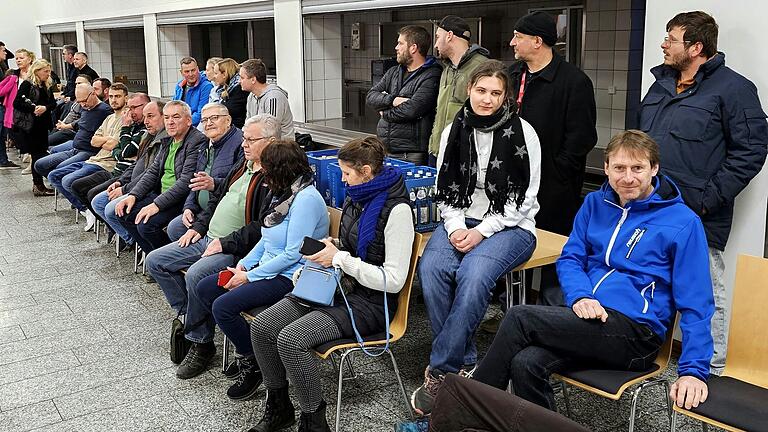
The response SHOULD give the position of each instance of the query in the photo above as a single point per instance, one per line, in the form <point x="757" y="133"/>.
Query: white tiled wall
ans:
<point x="98" y="46"/>
<point x="129" y="57"/>
<point x="174" y="45"/>
<point x="357" y="63"/>
<point x="606" y="61"/>
<point x="322" y="67"/>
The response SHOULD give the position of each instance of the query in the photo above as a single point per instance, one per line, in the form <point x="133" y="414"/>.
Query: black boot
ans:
<point x="248" y="381"/>
<point x="196" y="361"/>
<point x="278" y="413"/>
<point x="315" y="421"/>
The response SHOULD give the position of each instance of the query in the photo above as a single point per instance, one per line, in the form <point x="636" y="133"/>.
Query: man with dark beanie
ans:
<point x="558" y="100"/>
<point x="459" y="58"/>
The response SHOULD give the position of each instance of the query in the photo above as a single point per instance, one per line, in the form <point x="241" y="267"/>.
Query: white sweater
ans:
<point x="398" y="241"/>
<point x="454" y="218"/>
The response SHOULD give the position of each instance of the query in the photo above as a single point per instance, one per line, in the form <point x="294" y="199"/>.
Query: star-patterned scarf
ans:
<point x="508" y="172"/>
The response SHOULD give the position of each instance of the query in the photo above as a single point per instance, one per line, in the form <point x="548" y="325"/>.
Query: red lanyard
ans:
<point x="520" y="93"/>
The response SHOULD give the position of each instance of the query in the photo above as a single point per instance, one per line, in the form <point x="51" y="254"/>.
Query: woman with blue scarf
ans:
<point x="376" y="233"/>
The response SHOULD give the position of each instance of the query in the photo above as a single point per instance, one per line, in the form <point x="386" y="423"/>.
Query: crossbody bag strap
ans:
<point x="360" y="341"/>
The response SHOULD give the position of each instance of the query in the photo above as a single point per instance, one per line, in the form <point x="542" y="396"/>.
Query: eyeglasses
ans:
<point x="84" y="100"/>
<point x="667" y="40"/>
<point x="252" y="141"/>
<point x="213" y="118"/>
<point x="135" y="106"/>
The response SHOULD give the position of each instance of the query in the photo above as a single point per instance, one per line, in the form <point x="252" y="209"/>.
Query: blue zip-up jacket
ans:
<point x="196" y="96"/>
<point x="646" y="260"/>
<point x="227" y="151"/>
<point x="713" y="139"/>
<point x="277" y="253"/>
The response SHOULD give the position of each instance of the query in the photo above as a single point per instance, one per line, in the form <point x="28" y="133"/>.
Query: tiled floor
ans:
<point x="83" y="345"/>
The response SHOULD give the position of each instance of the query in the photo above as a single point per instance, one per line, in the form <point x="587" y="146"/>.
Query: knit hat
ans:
<point x="455" y="24"/>
<point x="540" y="24"/>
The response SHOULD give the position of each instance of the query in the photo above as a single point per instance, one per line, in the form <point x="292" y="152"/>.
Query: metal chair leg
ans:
<point x="341" y="383"/>
<point x="673" y="422"/>
<point x="402" y="388"/>
<point x="97" y="229"/>
<point x="77" y="216"/>
<point x="55" y="199"/>
<point x="143" y="263"/>
<point x="567" y="400"/>
<point x="135" y="257"/>
<point x="636" y="396"/>
<point x="225" y="355"/>
<point x="117" y="245"/>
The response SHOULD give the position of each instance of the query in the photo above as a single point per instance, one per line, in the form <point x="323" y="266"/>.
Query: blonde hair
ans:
<point x="38" y="65"/>
<point x="229" y="68"/>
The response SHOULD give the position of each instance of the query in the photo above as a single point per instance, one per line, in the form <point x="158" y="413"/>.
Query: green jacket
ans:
<point x="453" y="91"/>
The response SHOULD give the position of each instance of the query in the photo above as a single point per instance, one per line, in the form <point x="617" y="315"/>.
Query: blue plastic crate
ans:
<point x="319" y="161"/>
<point x="336" y="187"/>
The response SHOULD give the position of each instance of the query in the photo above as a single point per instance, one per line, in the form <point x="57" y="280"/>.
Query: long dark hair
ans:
<point x="283" y="161"/>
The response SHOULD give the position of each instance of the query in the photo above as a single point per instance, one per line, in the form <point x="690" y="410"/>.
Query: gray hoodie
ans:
<point x="273" y="101"/>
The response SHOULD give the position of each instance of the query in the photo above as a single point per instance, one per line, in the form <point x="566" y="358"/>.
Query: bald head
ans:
<point x="86" y="96"/>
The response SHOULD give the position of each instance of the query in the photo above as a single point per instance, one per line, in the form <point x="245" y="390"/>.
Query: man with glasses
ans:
<point x="558" y="100"/>
<point x="712" y="132"/>
<point x="213" y="164"/>
<point x="159" y="195"/>
<point x="130" y="131"/>
<point x="223" y="232"/>
<point x="92" y="116"/>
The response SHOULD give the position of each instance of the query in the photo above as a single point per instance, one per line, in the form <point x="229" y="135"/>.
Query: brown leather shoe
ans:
<point x="40" y="191"/>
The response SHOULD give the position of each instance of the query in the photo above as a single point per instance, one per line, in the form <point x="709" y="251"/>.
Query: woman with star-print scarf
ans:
<point x="489" y="169"/>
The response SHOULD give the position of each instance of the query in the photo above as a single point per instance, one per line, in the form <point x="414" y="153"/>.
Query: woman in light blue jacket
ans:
<point x="262" y="277"/>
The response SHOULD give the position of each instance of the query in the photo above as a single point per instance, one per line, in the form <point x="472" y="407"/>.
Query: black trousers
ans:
<point x="150" y="235"/>
<point x="467" y="405"/>
<point x="84" y="186"/>
<point x="535" y="341"/>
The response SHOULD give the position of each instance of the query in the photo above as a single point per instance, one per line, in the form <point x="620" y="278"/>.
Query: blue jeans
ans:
<point x="457" y="288"/>
<point x="58" y="148"/>
<point x="165" y="265"/>
<point x="176" y="229"/>
<point x="45" y="165"/>
<point x="208" y="302"/>
<point x="106" y="210"/>
<point x="62" y="178"/>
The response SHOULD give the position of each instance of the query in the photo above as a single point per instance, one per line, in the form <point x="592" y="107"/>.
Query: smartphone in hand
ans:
<point x="224" y="277"/>
<point x="311" y="246"/>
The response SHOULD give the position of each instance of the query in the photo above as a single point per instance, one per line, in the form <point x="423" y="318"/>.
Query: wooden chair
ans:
<point x="612" y="384"/>
<point x="345" y="347"/>
<point x="738" y="399"/>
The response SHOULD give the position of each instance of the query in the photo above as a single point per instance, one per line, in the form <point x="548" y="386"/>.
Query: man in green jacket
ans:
<point x="460" y="59"/>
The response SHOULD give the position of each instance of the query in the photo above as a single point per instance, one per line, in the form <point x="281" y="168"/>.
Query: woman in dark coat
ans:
<point x="233" y="96"/>
<point x="35" y="98"/>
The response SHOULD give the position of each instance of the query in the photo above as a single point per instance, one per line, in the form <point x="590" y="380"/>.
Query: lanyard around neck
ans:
<point x="521" y="92"/>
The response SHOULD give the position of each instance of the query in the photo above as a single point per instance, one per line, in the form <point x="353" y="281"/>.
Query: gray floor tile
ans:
<point x="29" y="417"/>
<point x="11" y="334"/>
<point x="22" y="315"/>
<point x="35" y="347"/>
<point x="25" y="369"/>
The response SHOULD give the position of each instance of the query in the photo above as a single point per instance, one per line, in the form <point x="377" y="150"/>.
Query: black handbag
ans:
<point x="179" y="344"/>
<point x="23" y="121"/>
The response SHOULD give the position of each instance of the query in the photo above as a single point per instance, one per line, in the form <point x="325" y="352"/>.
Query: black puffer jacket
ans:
<point x="406" y="128"/>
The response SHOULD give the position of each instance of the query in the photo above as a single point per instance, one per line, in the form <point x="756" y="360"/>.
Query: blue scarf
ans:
<point x="371" y="196"/>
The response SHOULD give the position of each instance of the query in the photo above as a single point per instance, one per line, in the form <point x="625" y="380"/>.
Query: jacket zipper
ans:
<point x="601" y="280"/>
<point x="637" y="240"/>
<point x="652" y="286"/>
<point x="624" y="214"/>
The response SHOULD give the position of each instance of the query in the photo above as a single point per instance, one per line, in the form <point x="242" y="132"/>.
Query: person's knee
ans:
<point x="263" y="329"/>
<point x="528" y="363"/>
<point x="222" y="309"/>
<point x="288" y="345"/>
<point x="155" y="261"/>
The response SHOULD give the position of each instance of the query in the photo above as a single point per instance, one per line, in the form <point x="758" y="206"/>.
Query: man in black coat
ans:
<point x="558" y="100"/>
<point x="406" y="97"/>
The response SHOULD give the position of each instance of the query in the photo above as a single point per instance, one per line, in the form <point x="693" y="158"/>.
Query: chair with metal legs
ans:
<point x="611" y="384"/>
<point x="738" y="399"/>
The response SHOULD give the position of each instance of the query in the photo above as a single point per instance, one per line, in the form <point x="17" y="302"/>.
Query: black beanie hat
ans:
<point x="540" y="24"/>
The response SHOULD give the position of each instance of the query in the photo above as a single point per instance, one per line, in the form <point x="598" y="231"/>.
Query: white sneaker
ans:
<point x="27" y="170"/>
<point x="90" y="220"/>
<point x="26" y="158"/>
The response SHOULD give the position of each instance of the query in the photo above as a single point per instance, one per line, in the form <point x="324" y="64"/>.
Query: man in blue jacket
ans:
<point x="712" y="133"/>
<point x="193" y="89"/>
<point x="636" y="256"/>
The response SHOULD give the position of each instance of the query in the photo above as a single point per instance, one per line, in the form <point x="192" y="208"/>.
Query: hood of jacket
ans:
<point x="272" y="88"/>
<point x="472" y="51"/>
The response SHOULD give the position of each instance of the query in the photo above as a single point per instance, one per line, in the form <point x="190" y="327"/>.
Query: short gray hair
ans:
<point x="184" y="107"/>
<point x="218" y="105"/>
<point x="270" y="126"/>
